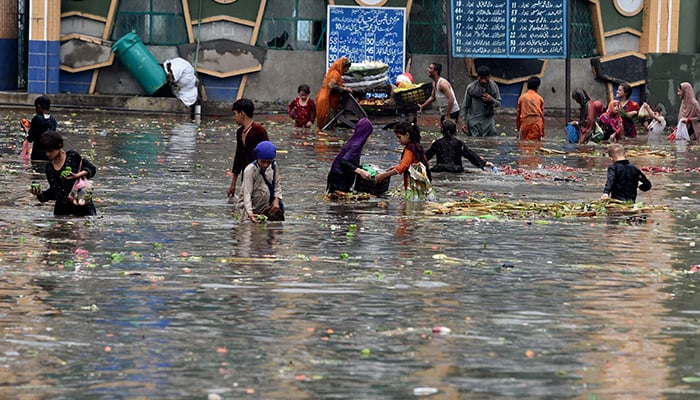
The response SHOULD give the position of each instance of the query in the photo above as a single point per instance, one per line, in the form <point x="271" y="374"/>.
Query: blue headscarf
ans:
<point x="352" y="149"/>
<point x="265" y="150"/>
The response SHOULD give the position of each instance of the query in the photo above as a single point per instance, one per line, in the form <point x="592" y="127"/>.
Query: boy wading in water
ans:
<point x="623" y="177"/>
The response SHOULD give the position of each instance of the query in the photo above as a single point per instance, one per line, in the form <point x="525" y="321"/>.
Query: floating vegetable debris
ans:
<point x="482" y="207"/>
<point x="647" y="153"/>
<point x="629" y="152"/>
<point x="346" y="196"/>
<point x="529" y="175"/>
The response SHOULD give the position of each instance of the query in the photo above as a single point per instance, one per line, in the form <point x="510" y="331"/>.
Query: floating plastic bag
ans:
<point x="26" y="152"/>
<point x="644" y="112"/>
<point x="81" y="194"/>
<point x="682" y="132"/>
<point x="598" y="133"/>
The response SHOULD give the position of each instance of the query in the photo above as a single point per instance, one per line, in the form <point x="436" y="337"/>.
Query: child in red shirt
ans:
<point x="302" y="109"/>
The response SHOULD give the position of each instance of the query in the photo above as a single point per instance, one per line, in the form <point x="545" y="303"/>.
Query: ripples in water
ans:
<point x="165" y="295"/>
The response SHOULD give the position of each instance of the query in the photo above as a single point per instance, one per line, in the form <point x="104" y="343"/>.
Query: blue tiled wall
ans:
<point x="75" y="83"/>
<point x="221" y="89"/>
<point x="44" y="64"/>
<point x="8" y="64"/>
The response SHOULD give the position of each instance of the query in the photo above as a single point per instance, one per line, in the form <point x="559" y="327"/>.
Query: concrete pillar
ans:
<point x="44" y="46"/>
<point x="660" y="26"/>
<point x="8" y="45"/>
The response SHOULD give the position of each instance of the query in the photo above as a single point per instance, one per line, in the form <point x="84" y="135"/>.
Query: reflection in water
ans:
<point x="165" y="295"/>
<point x="256" y="240"/>
<point x="625" y="348"/>
<point x="529" y="157"/>
<point x="181" y="147"/>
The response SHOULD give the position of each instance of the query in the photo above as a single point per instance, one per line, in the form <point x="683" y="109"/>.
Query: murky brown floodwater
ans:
<point x="164" y="295"/>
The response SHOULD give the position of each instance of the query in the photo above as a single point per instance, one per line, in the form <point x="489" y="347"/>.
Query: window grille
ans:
<point x="157" y="22"/>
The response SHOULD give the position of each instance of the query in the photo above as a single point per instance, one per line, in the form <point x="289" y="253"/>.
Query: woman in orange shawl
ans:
<point x="328" y="96"/>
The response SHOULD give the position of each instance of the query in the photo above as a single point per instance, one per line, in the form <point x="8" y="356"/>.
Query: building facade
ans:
<point x="264" y="49"/>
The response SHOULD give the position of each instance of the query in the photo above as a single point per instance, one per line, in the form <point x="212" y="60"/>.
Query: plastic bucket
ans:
<point x="131" y="51"/>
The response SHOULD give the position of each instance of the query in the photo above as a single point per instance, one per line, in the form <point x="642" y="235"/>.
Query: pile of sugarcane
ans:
<point x="486" y="206"/>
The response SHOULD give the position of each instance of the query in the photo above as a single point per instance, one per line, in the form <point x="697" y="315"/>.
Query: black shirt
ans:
<point x="60" y="188"/>
<point x="40" y="124"/>
<point x="449" y="151"/>
<point x="623" y="178"/>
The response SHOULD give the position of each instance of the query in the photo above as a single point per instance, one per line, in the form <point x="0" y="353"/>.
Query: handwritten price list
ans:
<point x="367" y="34"/>
<point x="509" y="28"/>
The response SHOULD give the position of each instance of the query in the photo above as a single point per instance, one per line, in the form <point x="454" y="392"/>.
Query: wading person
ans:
<point x="261" y="192"/>
<point x="442" y="93"/>
<point x="248" y="135"/>
<point x="41" y="122"/>
<point x="611" y="123"/>
<point x="413" y="165"/>
<point x="478" y="107"/>
<point x="182" y="79"/>
<point x="302" y="110"/>
<point x="588" y="115"/>
<point x="61" y="172"/>
<point x="346" y="165"/>
<point x="449" y="151"/>
<point x="623" y="177"/>
<point x="628" y="110"/>
<point x="689" y="112"/>
<point x="328" y="97"/>
<point x="529" y="117"/>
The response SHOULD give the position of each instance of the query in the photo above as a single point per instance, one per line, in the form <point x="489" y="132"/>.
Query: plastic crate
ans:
<point x="413" y="96"/>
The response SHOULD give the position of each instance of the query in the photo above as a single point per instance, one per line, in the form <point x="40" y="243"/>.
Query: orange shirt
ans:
<point x="530" y="108"/>
<point x="530" y="116"/>
<point x="407" y="159"/>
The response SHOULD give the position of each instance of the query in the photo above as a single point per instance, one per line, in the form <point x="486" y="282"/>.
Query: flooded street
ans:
<point x="164" y="295"/>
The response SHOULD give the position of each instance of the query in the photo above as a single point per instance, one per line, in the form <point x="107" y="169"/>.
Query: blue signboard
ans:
<point x="367" y="34"/>
<point x="509" y="28"/>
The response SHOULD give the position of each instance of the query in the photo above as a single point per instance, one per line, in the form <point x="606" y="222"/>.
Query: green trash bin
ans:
<point x="131" y="51"/>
